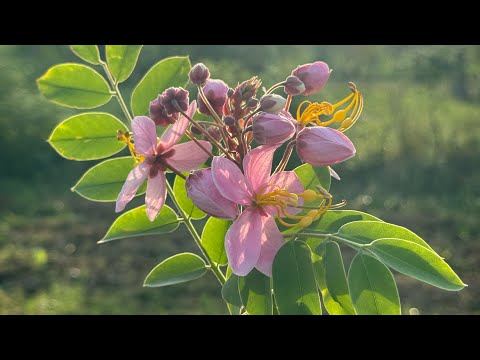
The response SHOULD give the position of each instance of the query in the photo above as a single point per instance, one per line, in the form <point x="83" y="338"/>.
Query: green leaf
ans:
<point x="331" y="279"/>
<point x="121" y="60"/>
<point x="89" y="53"/>
<point x="213" y="239"/>
<point x="172" y="71"/>
<point x="256" y="293"/>
<point x="312" y="176"/>
<point x="136" y="223"/>
<point x="231" y="295"/>
<point x="294" y="281"/>
<point x="372" y="287"/>
<point x="184" y="201"/>
<point x="331" y="222"/>
<point x="104" y="181"/>
<point x="416" y="261"/>
<point x="74" y="85"/>
<point x="88" y="136"/>
<point x="176" y="269"/>
<point x="364" y="232"/>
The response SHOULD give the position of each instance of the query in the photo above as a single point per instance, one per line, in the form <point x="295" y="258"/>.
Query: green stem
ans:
<point x="116" y="90"/>
<point x="196" y="237"/>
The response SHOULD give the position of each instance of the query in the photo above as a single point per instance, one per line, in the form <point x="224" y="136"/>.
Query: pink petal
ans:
<point x="202" y="191"/>
<point x="242" y="241"/>
<point x="135" y="179"/>
<point x="156" y="193"/>
<point x="144" y="135"/>
<point x="189" y="156"/>
<point x="230" y="181"/>
<point x="257" y="165"/>
<point x="175" y="132"/>
<point x="290" y="181"/>
<point x="272" y="240"/>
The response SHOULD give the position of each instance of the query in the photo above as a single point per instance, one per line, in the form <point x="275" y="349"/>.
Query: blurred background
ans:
<point x="417" y="165"/>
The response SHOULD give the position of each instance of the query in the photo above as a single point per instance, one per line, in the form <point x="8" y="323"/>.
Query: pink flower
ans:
<point x="216" y="93"/>
<point x="254" y="239"/>
<point x="314" y="76"/>
<point x="273" y="128"/>
<point x="159" y="155"/>
<point x="203" y="192"/>
<point x="322" y="146"/>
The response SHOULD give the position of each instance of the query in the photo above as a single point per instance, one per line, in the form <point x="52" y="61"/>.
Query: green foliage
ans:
<point x="213" y="239"/>
<point x="364" y="232"/>
<point x="184" y="201"/>
<point x="104" y="181"/>
<point x="88" y="53"/>
<point x="256" y="293"/>
<point x="331" y="279"/>
<point x="176" y="269"/>
<point x="88" y="136"/>
<point x="74" y="85"/>
<point x="311" y="176"/>
<point x="136" y="223"/>
<point x="231" y="294"/>
<point x="121" y="60"/>
<point x="372" y="287"/>
<point x="293" y="279"/>
<point x="168" y="72"/>
<point x="416" y="261"/>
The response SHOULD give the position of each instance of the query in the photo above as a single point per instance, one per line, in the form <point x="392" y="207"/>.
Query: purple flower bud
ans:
<point x="199" y="74"/>
<point x="294" y="86"/>
<point x="322" y="146"/>
<point x="216" y="93"/>
<point x="252" y="103"/>
<point x="172" y="94"/>
<point x="272" y="103"/>
<point x="314" y="76"/>
<point x="159" y="115"/>
<point x="202" y="191"/>
<point x="229" y="120"/>
<point x="272" y="128"/>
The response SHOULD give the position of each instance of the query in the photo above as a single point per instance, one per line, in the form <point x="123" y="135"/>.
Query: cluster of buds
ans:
<point x="239" y="185"/>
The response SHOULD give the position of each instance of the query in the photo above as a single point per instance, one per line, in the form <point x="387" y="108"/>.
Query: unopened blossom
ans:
<point x="174" y="98"/>
<point x="216" y="93"/>
<point x="314" y="76"/>
<point x="199" y="74"/>
<point x="294" y="86"/>
<point x="323" y="146"/>
<point x="273" y="128"/>
<point x="159" y="115"/>
<point x="272" y="103"/>
<point x="155" y="157"/>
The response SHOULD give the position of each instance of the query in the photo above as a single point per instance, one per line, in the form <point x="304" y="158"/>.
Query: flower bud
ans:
<point x="172" y="95"/>
<point x="199" y="74"/>
<point x="322" y="146"/>
<point x="294" y="86"/>
<point x="216" y="93"/>
<point x="202" y="191"/>
<point x="159" y="115"/>
<point x="272" y="128"/>
<point x="229" y="120"/>
<point x="252" y="103"/>
<point x="272" y="103"/>
<point x="314" y="76"/>
<point x="249" y="87"/>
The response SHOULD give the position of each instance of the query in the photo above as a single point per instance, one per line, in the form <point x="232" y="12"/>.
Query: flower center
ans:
<point x="311" y="114"/>
<point x="281" y="199"/>
<point x="127" y="139"/>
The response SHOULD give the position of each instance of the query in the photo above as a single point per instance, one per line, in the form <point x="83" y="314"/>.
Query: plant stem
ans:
<point x="286" y="156"/>
<point x="116" y="90"/>
<point x="188" y="223"/>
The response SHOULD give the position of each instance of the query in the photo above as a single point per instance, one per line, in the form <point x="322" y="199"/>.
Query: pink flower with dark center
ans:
<point x="158" y="157"/>
<point x="254" y="239"/>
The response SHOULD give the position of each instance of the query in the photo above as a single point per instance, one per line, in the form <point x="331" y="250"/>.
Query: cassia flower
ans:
<point x="254" y="239"/>
<point x="154" y="157"/>
<point x="273" y="129"/>
<point x="314" y="76"/>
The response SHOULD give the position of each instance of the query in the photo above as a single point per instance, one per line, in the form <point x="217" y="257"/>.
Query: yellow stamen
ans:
<point x="127" y="139"/>
<point x="311" y="114"/>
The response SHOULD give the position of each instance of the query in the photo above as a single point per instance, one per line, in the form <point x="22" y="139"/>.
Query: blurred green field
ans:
<point x="417" y="165"/>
